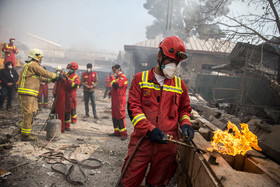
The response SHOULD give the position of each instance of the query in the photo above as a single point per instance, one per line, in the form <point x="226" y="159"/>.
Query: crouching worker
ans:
<point x="29" y="89"/>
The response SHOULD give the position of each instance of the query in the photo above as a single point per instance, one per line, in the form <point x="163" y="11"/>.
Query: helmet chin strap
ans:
<point x="161" y="61"/>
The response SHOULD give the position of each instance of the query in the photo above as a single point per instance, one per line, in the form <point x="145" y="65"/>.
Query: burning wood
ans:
<point x="234" y="141"/>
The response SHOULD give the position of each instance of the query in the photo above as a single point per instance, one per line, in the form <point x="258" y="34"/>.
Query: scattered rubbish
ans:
<point x="95" y="128"/>
<point x="4" y="173"/>
<point x="95" y="172"/>
<point x="212" y="160"/>
<point x="50" y="173"/>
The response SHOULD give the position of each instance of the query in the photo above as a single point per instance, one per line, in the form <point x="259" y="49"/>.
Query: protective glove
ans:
<point x="157" y="136"/>
<point x="115" y="85"/>
<point x="188" y="132"/>
<point x="59" y="76"/>
<point x="76" y="85"/>
<point x="64" y="76"/>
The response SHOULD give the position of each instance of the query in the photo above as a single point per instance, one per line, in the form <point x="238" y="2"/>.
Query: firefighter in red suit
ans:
<point x="10" y="50"/>
<point x="58" y="106"/>
<point x="71" y="84"/>
<point x="158" y="104"/>
<point x="108" y="87"/>
<point x="118" y="100"/>
<point x="89" y="82"/>
<point x="43" y="93"/>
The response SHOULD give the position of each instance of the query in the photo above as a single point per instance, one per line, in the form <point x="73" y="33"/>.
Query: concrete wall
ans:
<point x="195" y="64"/>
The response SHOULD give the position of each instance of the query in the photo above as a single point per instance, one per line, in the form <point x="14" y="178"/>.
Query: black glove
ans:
<point x="75" y="86"/>
<point x="188" y="132"/>
<point x="59" y="77"/>
<point x="64" y="76"/>
<point x="115" y="85"/>
<point x="157" y="136"/>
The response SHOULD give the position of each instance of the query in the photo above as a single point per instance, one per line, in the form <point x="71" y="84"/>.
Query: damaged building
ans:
<point x="252" y="87"/>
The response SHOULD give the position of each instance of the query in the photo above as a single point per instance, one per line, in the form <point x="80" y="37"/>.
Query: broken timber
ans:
<point x="194" y="170"/>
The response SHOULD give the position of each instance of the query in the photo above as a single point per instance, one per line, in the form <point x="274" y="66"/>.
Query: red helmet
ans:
<point x="73" y="65"/>
<point x="11" y="39"/>
<point x="174" y="48"/>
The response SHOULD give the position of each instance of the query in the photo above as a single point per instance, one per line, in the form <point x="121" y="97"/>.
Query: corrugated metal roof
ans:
<point x="238" y="55"/>
<point x="195" y="44"/>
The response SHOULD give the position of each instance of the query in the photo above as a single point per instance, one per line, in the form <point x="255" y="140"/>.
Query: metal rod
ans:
<point x="186" y="145"/>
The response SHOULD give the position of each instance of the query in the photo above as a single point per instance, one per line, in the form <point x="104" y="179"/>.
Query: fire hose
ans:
<point x="129" y="160"/>
<point x="67" y="172"/>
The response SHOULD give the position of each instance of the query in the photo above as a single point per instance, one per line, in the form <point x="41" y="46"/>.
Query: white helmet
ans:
<point x="58" y="68"/>
<point x="35" y="54"/>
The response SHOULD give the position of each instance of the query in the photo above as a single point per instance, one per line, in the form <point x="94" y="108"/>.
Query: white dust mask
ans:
<point x="10" y="66"/>
<point x="88" y="70"/>
<point x="169" y="70"/>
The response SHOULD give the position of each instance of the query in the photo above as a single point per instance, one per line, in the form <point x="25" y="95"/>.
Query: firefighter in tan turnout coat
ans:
<point x="28" y="90"/>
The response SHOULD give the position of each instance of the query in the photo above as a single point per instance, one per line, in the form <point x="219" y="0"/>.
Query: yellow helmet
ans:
<point x="35" y="54"/>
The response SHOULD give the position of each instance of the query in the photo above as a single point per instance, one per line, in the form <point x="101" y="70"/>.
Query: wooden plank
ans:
<point x="229" y="176"/>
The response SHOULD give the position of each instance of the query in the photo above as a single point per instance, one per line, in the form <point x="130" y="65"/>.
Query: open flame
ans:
<point x="233" y="142"/>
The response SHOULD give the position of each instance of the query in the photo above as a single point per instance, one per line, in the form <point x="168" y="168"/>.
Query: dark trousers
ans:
<point x="91" y="96"/>
<point x="106" y="91"/>
<point x="7" y="91"/>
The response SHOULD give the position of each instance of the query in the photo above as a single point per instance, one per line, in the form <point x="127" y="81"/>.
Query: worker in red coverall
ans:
<point x="10" y="50"/>
<point x="118" y="94"/>
<point x="58" y="106"/>
<point x="72" y="82"/>
<point x="158" y="104"/>
<point x="89" y="82"/>
<point x="108" y="87"/>
<point x="43" y="93"/>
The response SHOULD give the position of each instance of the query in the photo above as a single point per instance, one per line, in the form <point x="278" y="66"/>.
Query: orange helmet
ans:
<point x="174" y="48"/>
<point x="73" y="65"/>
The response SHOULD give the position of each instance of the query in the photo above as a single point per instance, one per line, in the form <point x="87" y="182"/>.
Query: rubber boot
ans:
<point x="28" y="137"/>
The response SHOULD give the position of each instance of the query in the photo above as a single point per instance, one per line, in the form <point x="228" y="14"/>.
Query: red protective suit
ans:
<point x="10" y="51"/>
<point x="71" y="85"/>
<point x="43" y="90"/>
<point x="59" y="103"/>
<point x="108" y="81"/>
<point x="118" y="100"/>
<point x="151" y="106"/>
<point x="89" y="79"/>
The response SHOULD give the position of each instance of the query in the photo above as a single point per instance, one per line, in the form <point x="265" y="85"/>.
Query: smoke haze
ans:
<point x="105" y="24"/>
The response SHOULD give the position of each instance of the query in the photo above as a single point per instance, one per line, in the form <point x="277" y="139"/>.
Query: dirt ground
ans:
<point x="87" y="139"/>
